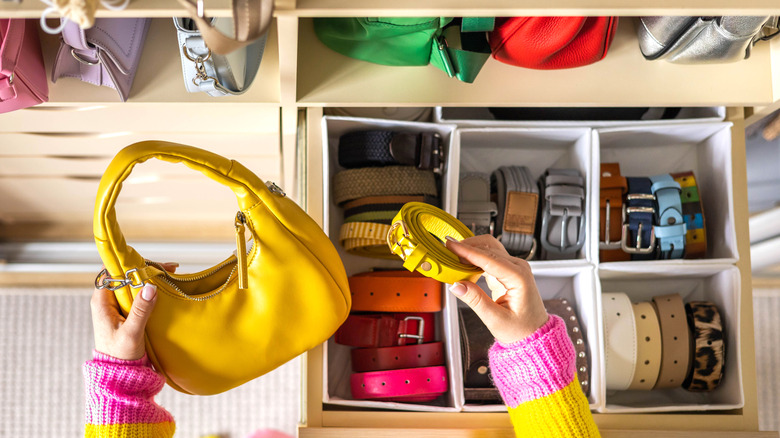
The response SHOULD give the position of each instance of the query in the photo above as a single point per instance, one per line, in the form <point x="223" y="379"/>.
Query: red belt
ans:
<point x="407" y="385"/>
<point x="393" y="358"/>
<point x="386" y="330"/>
<point x="394" y="291"/>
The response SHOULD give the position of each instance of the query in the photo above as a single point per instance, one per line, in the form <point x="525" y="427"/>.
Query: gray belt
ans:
<point x="518" y="200"/>
<point x="475" y="209"/>
<point x="563" y="213"/>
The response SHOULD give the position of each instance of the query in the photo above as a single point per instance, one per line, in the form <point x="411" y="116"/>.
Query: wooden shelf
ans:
<point x="159" y="78"/>
<point x="513" y="8"/>
<point x="136" y="8"/>
<point x="623" y="78"/>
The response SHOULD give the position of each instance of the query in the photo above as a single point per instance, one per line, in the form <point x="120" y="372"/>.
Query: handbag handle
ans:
<point x="13" y="36"/>
<point x="251" y="19"/>
<point x="114" y="251"/>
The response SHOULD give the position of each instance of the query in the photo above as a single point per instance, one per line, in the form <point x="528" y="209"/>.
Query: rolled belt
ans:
<point x="394" y="291"/>
<point x="517" y="197"/>
<point x="475" y="209"/>
<point x="709" y="348"/>
<point x="386" y="329"/>
<point x="693" y="215"/>
<point x="367" y="239"/>
<point x="418" y="235"/>
<point x="405" y="385"/>
<point x="563" y="213"/>
<point x="648" y="340"/>
<point x="670" y="228"/>
<point x="675" y="345"/>
<point x="613" y="189"/>
<point x="385" y="148"/>
<point x="638" y="236"/>
<point x="620" y="340"/>
<point x="382" y="181"/>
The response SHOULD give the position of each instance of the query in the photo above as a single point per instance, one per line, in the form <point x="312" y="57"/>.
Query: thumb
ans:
<point x="135" y="323"/>
<point x="486" y="309"/>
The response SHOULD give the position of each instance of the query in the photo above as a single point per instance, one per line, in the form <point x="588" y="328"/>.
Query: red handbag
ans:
<point x="548" y="43"/>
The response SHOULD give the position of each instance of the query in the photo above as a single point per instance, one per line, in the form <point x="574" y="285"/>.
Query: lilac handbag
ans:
<point x="106" y="54"/>
<point x="22" y="74"/>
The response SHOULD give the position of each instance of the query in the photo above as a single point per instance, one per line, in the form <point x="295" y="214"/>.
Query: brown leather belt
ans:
<point x="393" y="358"/>
<point x="613" y="189"/>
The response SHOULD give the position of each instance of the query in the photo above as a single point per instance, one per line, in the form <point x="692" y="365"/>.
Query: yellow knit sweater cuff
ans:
<point x="562" y="414"/>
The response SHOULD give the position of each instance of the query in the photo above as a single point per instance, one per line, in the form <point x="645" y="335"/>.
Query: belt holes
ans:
<point x="420" y="355"/>
<point x="642" y="381"/>
<point x="383" y="383"/>
<point x="429" y="380"/>
<point x="672" y="315"/>
<point x="675" y="338"/>
<point x="709" y="342"/>
<point x="363" y="385"/>
<point x="644" y="317"/>
<point x="373" y="359"/>
<point x="647" y="338"/>
<point x="398" y="294"/>
<point x="613" y="298"/>
<point x="618" y="314"/>
<point x="668" y="299"/>
<point x="675" y="362"/>
<point x="406" y="381"/>
<point x="371" y="293"/>
<point x="647" y="362"/>
<point x="425" y="294"/>
<point x="396" y="358"/>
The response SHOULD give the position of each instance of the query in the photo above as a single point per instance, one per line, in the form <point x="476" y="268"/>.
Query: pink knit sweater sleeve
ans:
<point x="120" y="399"/>
<point x="537" y="378"/>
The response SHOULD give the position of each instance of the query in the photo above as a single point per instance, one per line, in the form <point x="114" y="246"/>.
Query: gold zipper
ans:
<point x="243" y="278"/>
<point x="239" y="260"/>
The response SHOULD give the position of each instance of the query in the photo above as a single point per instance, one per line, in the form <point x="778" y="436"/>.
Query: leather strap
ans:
<point x="669" y="225"/>
<point x="207" y="71"/>
<point x="563" y="213"/>
<point x="384" y="148"/>
<point x="709" y="348"/>
<point x="406" y="385"/>
<point x="613" y="189"/>
<point x="675" y="341"/>
<point x="638" y="237"/>
<point x="393" y="358"/>
<point x="251" y="20"/>
<point x="648" y="335"/>
<point x="565" y="310"/>
<point x="693" y="215"/>
<point x="417" y="236"/>
<point x="382" y="181"/>
<point x="620" y="344"/>
<point x="394" y="291"/>
<point x="10" y="47"/>
<point x="367" y="239"/>
<point x="517" y="197"/>
<point x="475" y="209"/>
<point x="476" y="340"/>
<point x="386" y="329"/>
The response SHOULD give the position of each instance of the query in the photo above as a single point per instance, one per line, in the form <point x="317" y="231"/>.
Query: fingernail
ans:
<point x="452" y="239"/>
<point x="458" y="289"/>
<point x="173" y="264"/>
<point x="148" y="292"/>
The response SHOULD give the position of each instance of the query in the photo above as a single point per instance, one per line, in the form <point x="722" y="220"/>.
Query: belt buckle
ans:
<point x="392" y="243"/>
<point x="420" y="330"/>
<point x="638" y="249"/>
<point x="606" y="244"/>
<point x="563" y="248"/>
<point x="423" y="150"/>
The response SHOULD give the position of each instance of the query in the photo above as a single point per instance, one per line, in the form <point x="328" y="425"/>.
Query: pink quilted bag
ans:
<point x="22" y="74"/>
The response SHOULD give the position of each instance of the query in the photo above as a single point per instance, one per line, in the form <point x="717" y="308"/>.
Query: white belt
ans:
<point x="620" y="335"/>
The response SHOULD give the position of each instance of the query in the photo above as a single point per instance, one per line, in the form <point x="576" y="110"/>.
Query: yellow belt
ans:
<point x="417" y="236"/>
<point x="365" y="239"/>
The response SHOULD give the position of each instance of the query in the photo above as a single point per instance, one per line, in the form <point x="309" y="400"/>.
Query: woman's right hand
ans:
<point x="516" y="310"/>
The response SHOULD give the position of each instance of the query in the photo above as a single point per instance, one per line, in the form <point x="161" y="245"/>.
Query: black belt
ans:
<point x="386" y="148"/>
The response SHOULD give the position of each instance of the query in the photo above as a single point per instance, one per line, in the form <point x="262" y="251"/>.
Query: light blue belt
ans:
<point x="670" y="227"/>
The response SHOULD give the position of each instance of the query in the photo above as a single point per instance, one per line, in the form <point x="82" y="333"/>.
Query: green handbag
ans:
<point x="456" y="46"/>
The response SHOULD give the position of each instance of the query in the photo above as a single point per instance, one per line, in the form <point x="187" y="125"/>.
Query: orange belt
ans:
<point x="613" y="189"/>
<point x="394" y="291"/>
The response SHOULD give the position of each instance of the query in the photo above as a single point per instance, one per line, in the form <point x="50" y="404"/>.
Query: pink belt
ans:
<point x="405" y="385"/>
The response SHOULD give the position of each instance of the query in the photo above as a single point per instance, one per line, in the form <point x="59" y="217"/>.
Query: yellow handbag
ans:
<point x="219" y="328"/>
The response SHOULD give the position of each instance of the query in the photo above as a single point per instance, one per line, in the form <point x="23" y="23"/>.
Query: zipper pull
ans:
<point x="243" y="278"/>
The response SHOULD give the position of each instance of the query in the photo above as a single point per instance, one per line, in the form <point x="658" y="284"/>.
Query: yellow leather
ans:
<point x="297" y="296"/>
<point x="411" y="237"/>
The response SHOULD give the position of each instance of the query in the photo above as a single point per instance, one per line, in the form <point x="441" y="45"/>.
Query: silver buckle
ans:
<point x="563" y="248"/>
<point x="420" y="330"/>
<point x="608" y="244"/>
<point x="201" y="75"/>
<point x="638" y="249"/>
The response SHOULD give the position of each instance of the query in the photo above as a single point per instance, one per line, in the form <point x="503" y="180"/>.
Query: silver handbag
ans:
<point x="701" y="40"/>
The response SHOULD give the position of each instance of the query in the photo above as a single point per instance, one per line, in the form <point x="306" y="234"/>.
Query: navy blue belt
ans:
<point x="638" y="212"/>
